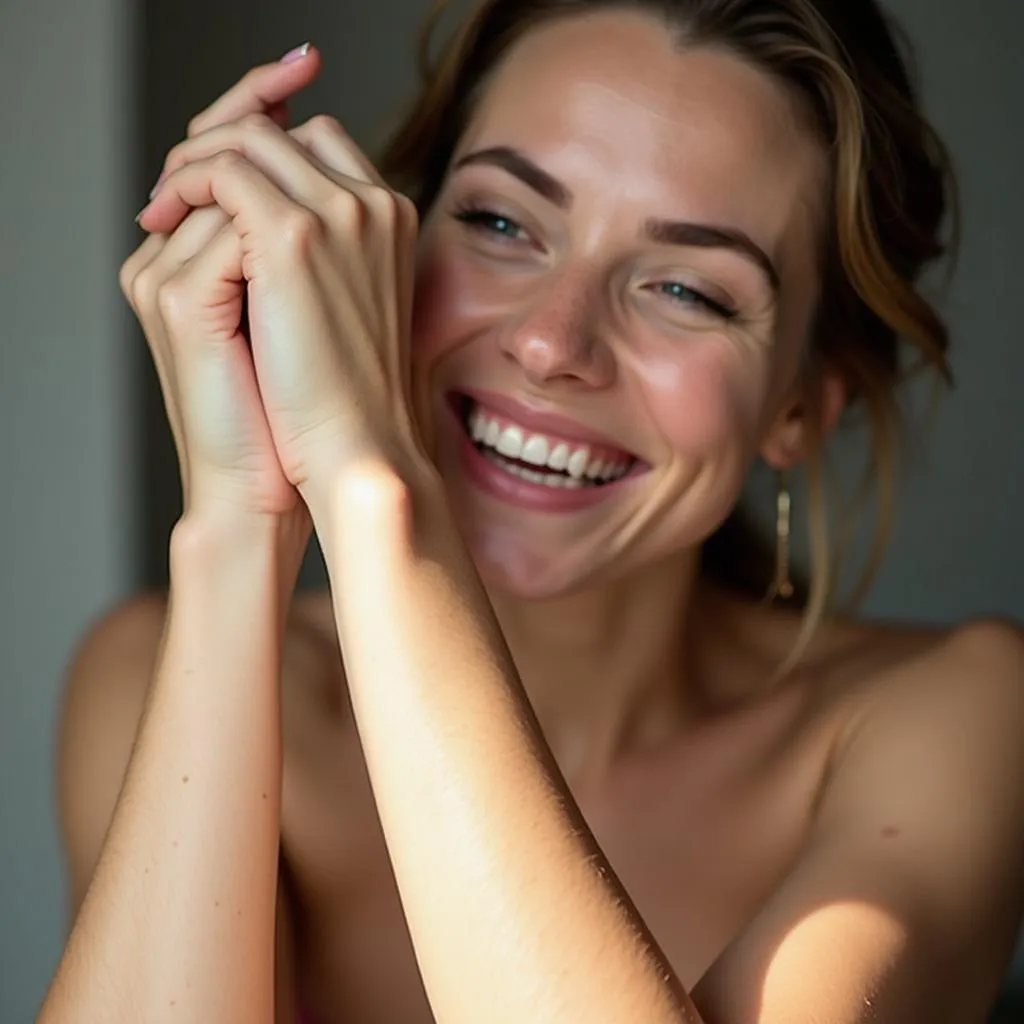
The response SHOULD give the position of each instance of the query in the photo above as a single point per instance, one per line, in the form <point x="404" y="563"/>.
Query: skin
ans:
<point x="565" y="319"/>
<point x="857" y="780"/>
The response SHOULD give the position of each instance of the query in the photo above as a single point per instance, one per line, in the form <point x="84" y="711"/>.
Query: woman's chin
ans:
<point x="525" y="572"/>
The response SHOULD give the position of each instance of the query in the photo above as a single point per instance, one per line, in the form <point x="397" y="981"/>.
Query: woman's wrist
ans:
<point x="370" y="494"/>
<point x="217" y="549"/>
<point x="228" y="538"/>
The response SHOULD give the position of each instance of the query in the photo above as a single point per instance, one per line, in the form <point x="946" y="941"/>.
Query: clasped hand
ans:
<point x="316" y="382"/>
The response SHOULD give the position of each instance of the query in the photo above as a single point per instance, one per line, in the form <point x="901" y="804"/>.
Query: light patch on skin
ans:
<point x="567" y="317"/>
<point x="828" y="942"/>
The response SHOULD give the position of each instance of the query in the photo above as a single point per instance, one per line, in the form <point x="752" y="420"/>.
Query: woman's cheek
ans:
<point x="455" y="298"/>
<point x="702" y="401"/>
<point x="435" y="299"/>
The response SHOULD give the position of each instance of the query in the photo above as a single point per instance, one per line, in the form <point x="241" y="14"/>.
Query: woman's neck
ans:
<point x="609" y="670"/>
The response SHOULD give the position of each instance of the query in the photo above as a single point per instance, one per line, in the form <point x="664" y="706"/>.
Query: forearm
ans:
<point x="514" y="912"/>
<point x="178" y="922"/>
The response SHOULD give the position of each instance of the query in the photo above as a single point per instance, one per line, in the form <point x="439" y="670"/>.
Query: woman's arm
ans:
<point x="514" y="912"/>
<point x="178" y="923"/>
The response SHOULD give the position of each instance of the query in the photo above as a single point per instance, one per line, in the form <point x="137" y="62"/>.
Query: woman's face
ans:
<point x="615" y="285"/>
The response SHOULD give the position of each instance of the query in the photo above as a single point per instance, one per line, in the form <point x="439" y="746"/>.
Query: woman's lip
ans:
<point x="543" y="422"/>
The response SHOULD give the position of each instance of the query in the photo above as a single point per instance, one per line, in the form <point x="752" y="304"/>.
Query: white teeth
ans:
<point x="535" y="451"/>
<point x="544" y="479"/>
<point x="559" y="457"/>
<point x="477" y="425"/>
<point x="578" y="462"/>
<point x="510" y="443"/>
<point x="540" y="451"/>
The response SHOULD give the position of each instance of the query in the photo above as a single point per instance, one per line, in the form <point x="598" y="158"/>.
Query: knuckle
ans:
<point x="173" y="158"/>
<point x="227" y="161"/>
<point x="144" y="287"/>
<point x="386" y="206"/>
<point x="383" y="199"/>
<point x="301" y="134"/>
<point x="140" y="258"/>
<point x="410" y="214"/>
<point x="196" y="125"/>
<point x="256" y="121"/>
<point x="299" y="228"/>
<point x="125" y="279"/>
<point x="324" y="124"/>
<point x="171" y="300"/>
<point x="347" y="208"/>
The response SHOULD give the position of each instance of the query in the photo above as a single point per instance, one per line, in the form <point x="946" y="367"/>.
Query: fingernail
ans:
<point x="297" y="54"/>
<point x="159" y="182"/>
<point x="138" y="216"/>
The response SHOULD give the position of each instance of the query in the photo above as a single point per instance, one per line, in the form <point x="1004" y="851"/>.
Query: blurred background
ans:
<point x="93" y="94"/>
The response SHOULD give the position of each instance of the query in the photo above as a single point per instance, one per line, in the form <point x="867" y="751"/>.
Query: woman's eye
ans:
<point x="686" y="296"/>
<point x="491" y="223"/>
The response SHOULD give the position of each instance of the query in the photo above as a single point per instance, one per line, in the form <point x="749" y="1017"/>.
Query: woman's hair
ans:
<point x="891" y="185"/>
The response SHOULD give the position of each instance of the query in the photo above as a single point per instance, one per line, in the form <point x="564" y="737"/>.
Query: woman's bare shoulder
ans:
<point x="853" y="665"/>
<point x="971" y="674"/>
<point x="871" y="660"/>
<point x="104" y="695"/>
<point x="922" y="686"/>
<point x="130" y="633"/>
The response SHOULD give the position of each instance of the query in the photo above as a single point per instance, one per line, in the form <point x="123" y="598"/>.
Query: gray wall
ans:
<point x="84" y="511"/>
<point x="68" y="510"/>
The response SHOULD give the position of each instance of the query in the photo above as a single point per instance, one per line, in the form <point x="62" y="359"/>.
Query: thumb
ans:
<point x="265" y="89"/>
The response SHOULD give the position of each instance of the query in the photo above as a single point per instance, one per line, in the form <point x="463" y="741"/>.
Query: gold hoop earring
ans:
<point x="782" y="585"/>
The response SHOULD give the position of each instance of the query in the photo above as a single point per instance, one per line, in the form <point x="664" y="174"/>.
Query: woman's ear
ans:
<point x="788" y="441"/>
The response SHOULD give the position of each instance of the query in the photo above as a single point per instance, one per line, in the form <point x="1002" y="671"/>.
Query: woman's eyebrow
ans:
<point x="667" y="232"/>
<point x="712" y="236"/>
<point x="523" y="168"/>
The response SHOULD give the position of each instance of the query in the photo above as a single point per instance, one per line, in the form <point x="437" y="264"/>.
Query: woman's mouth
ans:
<point x="535" y="468"/>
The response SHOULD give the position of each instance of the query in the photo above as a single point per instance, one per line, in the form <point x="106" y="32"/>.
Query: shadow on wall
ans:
<point x="1009" y="1009"/>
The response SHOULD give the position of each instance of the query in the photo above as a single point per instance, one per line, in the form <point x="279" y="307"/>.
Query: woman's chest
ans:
<point x="699" y="838"/>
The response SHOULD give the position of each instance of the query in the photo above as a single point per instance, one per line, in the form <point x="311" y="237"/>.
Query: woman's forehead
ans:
<point x="611" y="101"/>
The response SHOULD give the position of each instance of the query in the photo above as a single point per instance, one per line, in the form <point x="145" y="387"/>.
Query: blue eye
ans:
<point x="493" y="223"/>
<point x="686" y="296"/>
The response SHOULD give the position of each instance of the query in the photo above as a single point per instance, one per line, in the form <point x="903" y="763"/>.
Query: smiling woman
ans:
<point x="875" y="215"/>
<point x="568" y="766"/>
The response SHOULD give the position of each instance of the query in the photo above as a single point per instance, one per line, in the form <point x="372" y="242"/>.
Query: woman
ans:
<point x="569" y="775"/>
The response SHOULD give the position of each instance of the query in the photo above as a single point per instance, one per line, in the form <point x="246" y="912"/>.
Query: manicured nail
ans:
<point x="297" y="54"/>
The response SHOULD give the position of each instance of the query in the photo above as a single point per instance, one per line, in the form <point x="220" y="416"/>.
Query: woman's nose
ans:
<point x="557" y="338"/>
